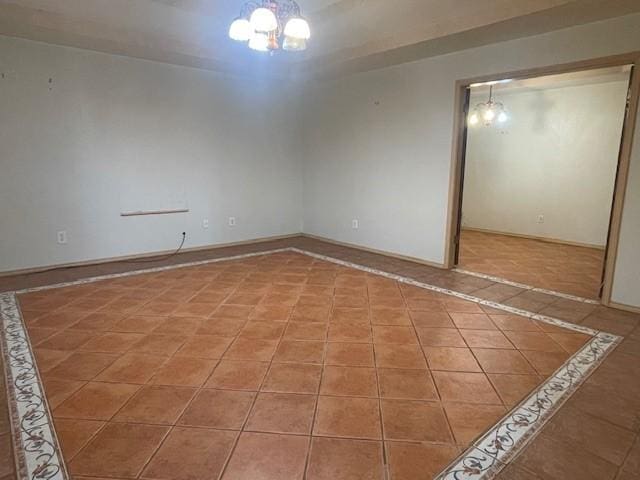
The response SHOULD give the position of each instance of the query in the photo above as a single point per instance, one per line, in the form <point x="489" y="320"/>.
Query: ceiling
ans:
<point x="347" y="35"/>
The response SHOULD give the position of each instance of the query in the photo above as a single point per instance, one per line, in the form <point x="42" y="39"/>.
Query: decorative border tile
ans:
<point x="36" y="445"/>
<point x="524" y="286"/>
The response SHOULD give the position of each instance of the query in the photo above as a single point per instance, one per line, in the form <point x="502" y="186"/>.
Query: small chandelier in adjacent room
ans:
<point x="488" y="113"/>
<point x="268" y="25"/>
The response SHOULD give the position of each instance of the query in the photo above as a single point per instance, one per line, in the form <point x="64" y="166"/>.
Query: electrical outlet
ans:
<point x="232" y="221"/>
<point x="205" y="223"/>
<point x="62" y="237"/>
<point x="355" y="224"/>
<point x="540" y="219"/>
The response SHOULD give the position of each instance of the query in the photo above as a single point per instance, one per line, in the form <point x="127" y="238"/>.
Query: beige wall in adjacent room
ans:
<point x="555" y="157"/>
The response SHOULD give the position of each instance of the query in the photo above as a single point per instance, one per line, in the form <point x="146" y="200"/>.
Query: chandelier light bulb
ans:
<point x="259" y="42"/>
<point x="489" y="114"/>
<point x="240" y="30"/>
<point x="297" y="28"/>
<point x="292" y="44"/>
<point x="503" y="117"/>
<point x="263" y="20"/>
<point x="473" y="119"/>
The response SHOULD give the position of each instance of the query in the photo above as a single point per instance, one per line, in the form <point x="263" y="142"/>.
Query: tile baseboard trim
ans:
<point x="531" y="288"/>
<point x="37" y="450"/>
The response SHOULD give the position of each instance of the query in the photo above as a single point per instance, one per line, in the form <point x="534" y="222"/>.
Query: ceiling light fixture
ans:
<point x="488" y="112"/>
<point x="264" y="23"/>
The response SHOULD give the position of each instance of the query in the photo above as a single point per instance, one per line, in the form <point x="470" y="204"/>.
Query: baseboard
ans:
<point x="101" y="261"/>
<point x="375" y="250"/>
<point x="533" y="237"/>
<point x="622" y="306"/>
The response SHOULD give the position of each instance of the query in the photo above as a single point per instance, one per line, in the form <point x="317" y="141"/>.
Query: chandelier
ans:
<point x="264" y="23"/>
<point x="488" y="112"/>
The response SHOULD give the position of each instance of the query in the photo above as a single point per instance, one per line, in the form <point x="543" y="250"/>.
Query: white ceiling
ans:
<point x="347" y="35"/>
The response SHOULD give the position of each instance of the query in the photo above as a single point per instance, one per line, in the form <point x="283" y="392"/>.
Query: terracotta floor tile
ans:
<point x="493" y="360"/>
<point x="293" y="378"/>
<point x="451" y="359"/>
<point x="440" y="337"/>
<point x="348" y="417"/>
<point x="74" y="434"/>
<point x="394" y="334"/>
<point x="267" y="456"/>
<point x="282" y="413"/>
<point x="223" y="327"/>
<point x="552" y="459"/>
<point x="350" y="315"/>
<point x="58" y="390"/>
<point x="159" y="344"/>
<point x="155" y="405"/>
<point x="204" y="346"/>
<point x="132" y="368"/>
<point x="263" y="330"/>
<point x="184" y="371"/>
<point x="406" y="384"/>
<point x="416" y="421"/>
<point x="545" y="363"/>
<point x="233" y="311"/>
<point x="251" y="349"/>
<point x="58" y="320"/>
<point x="410" y="461"/>
<point x="333" y="458"/>
<point x="513" y="388"/>
<point x="469" y="421"/>
<point x="225" y="409"/>
<point x="349" y="381"/>
<point x="178" y="325"/>
<point x="537" y="341"/>
<point x="118" y="450"/>
<point x="191" y="454"/>
<point x="432" y="320"/>
<point x="238" y="375"/>
<point x="632" y="463"/>
<point x="571" y="342"/>
<point x="515" y="323"/>
<point x="399" y="356"/>
<point x="474" y="321"/>
<point x="137" y="324"/>
<point x="592" y="434"/>
<point x="82" y="366"/>
<point x="65" y="340"/>
<point x="156" y="307"/>
<point x="349" y="332"/>
<point x="390" y="316"/>
<point x="244" y="299"/>
<point x="458" y="306"/>
<point x="465" y="387"/>
<point x="96" y="401"/>
<point x="306" y="331"/>
<point x="111" y="342"/>
<point x="486" y="339"/>
<point x="350" y="354"/>
<point x="299" y="352"/>
<point x="311" y="313"/>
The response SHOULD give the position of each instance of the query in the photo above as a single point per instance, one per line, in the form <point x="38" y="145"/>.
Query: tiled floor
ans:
<point x="553" y="266"/>
<point x="147" y="395"/>
<point x="276" y="358"/>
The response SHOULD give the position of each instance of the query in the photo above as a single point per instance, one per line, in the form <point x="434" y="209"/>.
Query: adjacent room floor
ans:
<point x="553" y="266"/>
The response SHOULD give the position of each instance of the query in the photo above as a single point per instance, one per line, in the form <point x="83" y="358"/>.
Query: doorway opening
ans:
<point x="540" y="167"/>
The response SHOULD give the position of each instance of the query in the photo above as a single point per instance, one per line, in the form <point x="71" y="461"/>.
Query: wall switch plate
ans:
<point x="62" y="237"/>
<point x="205" y="223"/>
<point x="540" y="219"/>
<point x="232" y="221"/>
<point x="355" y="224"/>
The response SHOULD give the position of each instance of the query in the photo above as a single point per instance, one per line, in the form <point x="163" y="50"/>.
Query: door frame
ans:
<point x="456" y="176"/>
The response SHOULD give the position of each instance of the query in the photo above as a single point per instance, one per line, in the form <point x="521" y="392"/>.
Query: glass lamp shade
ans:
<point x="293" y="44"/>
<point x="263" y="20"/>
<point x="240" y="30"/>
<point x="297" y="28"/>
<point x="259" y="42"/>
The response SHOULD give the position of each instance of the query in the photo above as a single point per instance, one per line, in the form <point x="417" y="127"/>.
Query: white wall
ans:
<point x="388" y="165"/>
<point x="556" y="157"/>
<point x="112" y="133"/>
